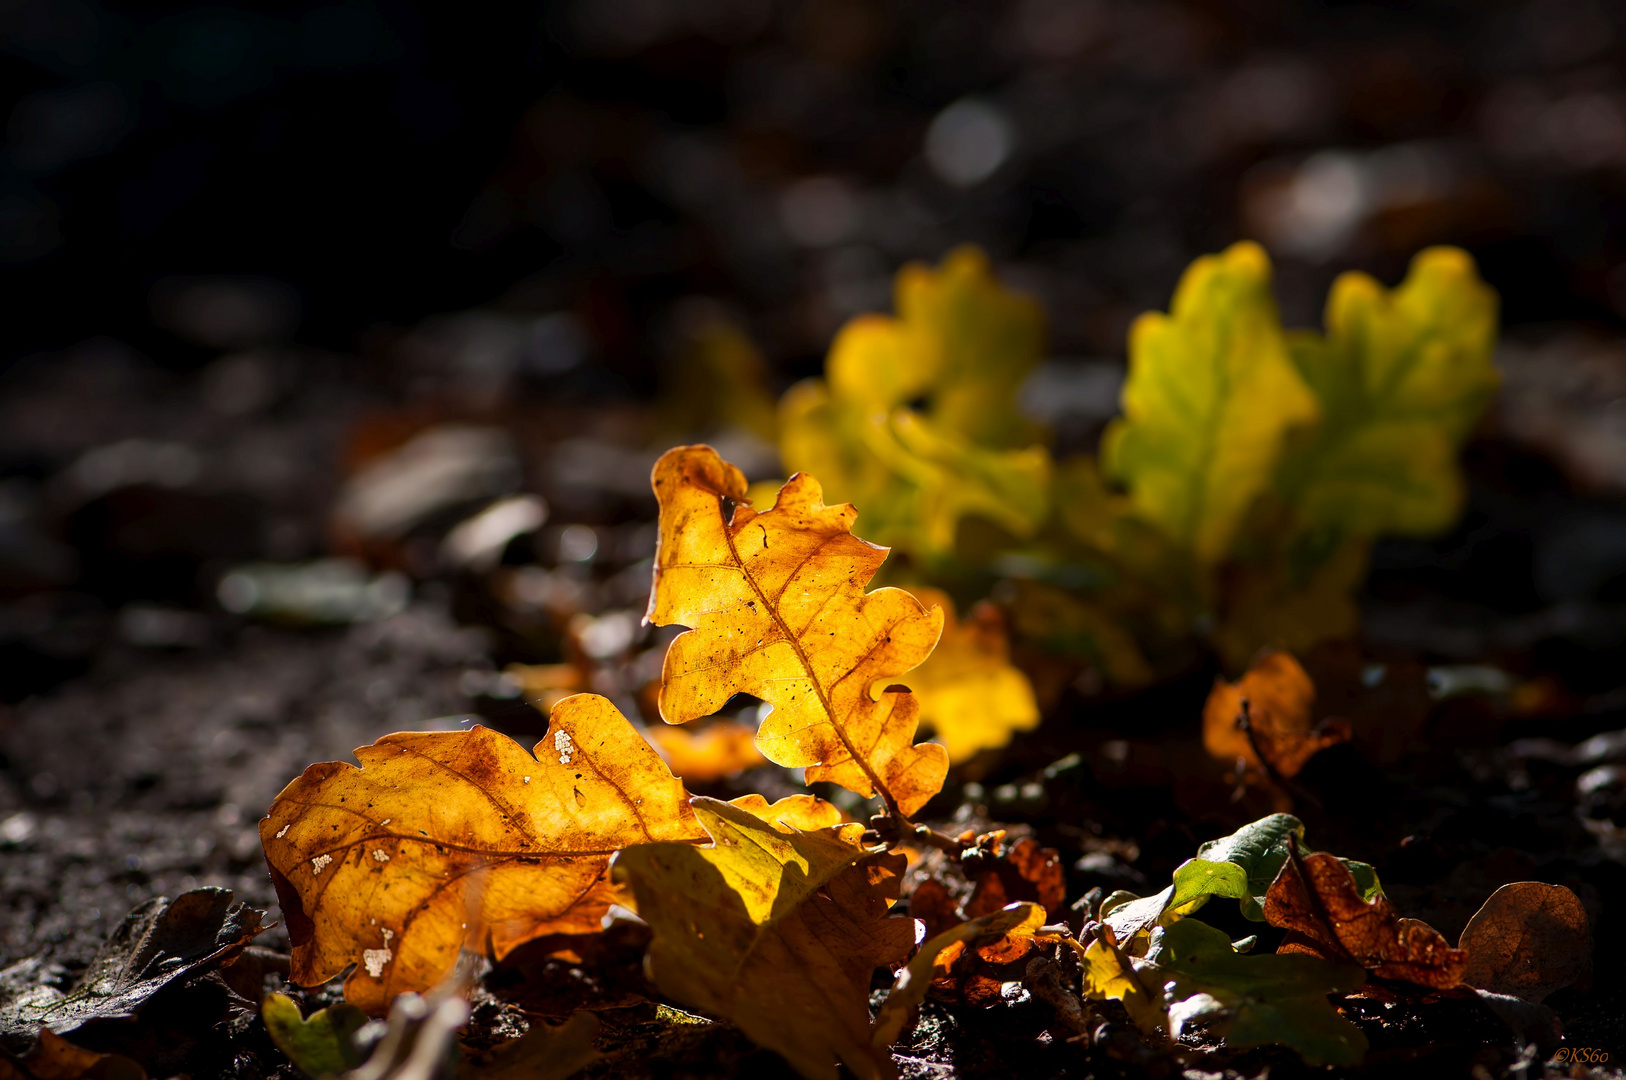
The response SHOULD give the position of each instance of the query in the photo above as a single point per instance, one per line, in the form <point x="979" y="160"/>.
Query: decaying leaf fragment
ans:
<point x="775" y="929"/>
<point x="1211" y="396"/>
<point x="447" y="840"/>
<point x="777" y="607"/>
<point x="54" y="1058"/>
<point x="1527" y="941"/>
<point x="1280" y="702"/>
<point x="938" y="952"/>
<point x="970" y="693"/>
<point x="1331" y="920"/>
<point x="160" y="942"/>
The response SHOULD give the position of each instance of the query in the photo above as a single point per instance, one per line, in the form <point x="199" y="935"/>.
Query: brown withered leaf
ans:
<point x="777" y="607"/>
<point x="446" y="840"/>
<point x="159" y="943"/>
<point x="1529" y="940"/>
<point x="775" y="929"/>
<point x="1280" y="701"/>
<point x="54" y="1058"/>
<point x="1330" y="920"/>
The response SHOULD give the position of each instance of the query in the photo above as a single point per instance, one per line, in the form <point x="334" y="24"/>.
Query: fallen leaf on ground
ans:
<point x="1210" y="399"/>
<point x="959" y="348"/>
<point x="158" y="943"/>
<point x="910" y="987"/>
<point x="1331" y="920"/>
<point x="1528" y="941"/>
<point x="321" y="1044"/>
<point x="1401" y="377"/>
<point x="545" y="1052"/>
<point x="777" y="607"/>
<point x="970" y="693"/>
<point x="447" y="840"/>
<point x="1280" y="700"/>
<point x="775" y="930"/>
<point x="1242" y="866"/>
<point x="54" y="1058"/>
<point x="725" y="748"/>
<point x="1256" y="1000"/>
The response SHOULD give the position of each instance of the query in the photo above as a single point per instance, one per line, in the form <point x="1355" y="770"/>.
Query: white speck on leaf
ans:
<point x="319" y="862"/>
<point x="527" y="779"/>
<point x="379" y="855"/>
<point x="374" y="960"/>
<point x="284" y="829"/>
<point x="562" y="743"/>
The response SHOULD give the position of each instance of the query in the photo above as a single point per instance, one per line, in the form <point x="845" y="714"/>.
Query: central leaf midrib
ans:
<point x="772" y="611"/>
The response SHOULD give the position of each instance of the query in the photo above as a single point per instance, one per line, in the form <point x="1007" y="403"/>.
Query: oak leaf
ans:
<point x="1256" y="1000"/>
<point x="54" y="1058"/>
<point x="777" y="607"/>
<point x="959" y="348"/>
<point x="971" y="695"/>
<point x="777" y="930"/>
<point x="1211" y="397"/>
<point x="448" y="840"/>
<point x="725" y="748"/>
<point x="1279" y="699"/>
<point x="1331" y="919"/>
<point x="1401" y="376"/>
<point x="1527" y="941"/>
<point x="158" y="943"/>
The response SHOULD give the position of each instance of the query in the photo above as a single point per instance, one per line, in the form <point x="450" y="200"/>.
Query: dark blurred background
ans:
<point x="340" y="171"/>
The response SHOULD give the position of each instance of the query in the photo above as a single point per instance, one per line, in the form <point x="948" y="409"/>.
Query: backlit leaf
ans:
<point x="970" y="693"/>
<point x="1280" y="699"/>
<point x="776" y="930"/>
<point x="1211" y="397"/>
<point x="777" y="605"/>
<point x="1527" y="941"/>
<point x="321" y="1044"/>
<point x="1332" y="920"/>
<point x="725" y="748"/>
<point x="916" y="418"/>
<point x="447" y="840"/>
<point x="1401" y="376"/>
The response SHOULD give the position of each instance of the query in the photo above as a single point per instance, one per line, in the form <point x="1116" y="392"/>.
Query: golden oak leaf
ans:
<point x="725" y="748"/>
<point x="777" y="605"/>
<point x="447" y="840"/>
<point x="1211" y="397"/>
<point x="1401" y="377"/>
<point x="970" y="693"/>
<point x="1330" y="918"/>
<point x="775" y="929"/>
<point x="1280" y="699"/>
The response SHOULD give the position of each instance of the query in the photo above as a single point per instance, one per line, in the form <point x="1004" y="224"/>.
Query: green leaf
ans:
<point x="1240" y="866"/>
<point x="322" y="1044"/>
<point x="1210" y="398"/>
<point x="1401" y="377"/>
<point x="1255" y="1000"/>
<point x="916" y="421"/>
